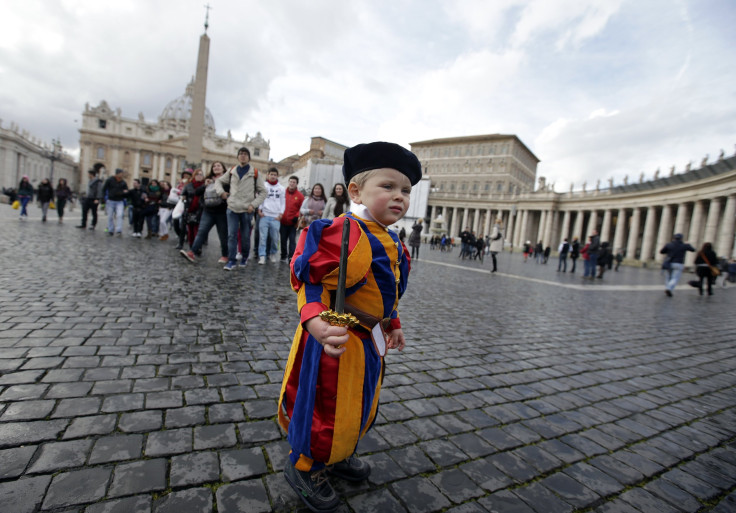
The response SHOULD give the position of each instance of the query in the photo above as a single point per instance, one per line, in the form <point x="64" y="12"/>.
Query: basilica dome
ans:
<point x="178" y="112"/>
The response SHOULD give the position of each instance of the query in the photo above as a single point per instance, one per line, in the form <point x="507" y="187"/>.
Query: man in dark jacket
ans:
<point x="592" y="254"/>
<point x="116" y="191"/>
<point x="93" y="197"/>
<point x="675" y="262"/>
<point x="574" y="253"/>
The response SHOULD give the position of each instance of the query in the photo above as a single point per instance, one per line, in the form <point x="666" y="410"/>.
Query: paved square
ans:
<point x="133" y="380"/>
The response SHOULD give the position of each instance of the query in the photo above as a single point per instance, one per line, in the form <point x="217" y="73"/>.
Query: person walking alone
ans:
<point x="675" y="262"/>
<point x="415" y="239"/>
<point x="496" y="245"/>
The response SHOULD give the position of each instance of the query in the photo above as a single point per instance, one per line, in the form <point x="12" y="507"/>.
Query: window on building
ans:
<point x="102" y="123"/>
<point x="257" y="152"/>
<point x="475" y="186"/>
<point x="452" y="187"/>
<point x="146" y="159"/>
<point x="464" y="186"/>
<point x="100" y="152"/>
<point x="487" y="187"/>
<point x="168" y="165"/>
<point x="499" y="187"/>
<point x="126" y="158"/>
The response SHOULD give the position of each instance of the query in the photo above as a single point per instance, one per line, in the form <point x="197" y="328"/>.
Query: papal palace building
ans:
<point x="477" y="179"/>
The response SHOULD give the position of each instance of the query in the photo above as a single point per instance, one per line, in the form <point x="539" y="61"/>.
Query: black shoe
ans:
<point x="179" y="246"/>
<point x="92" y="227"/>
<point x="351" y="469"/>
<point x="313" y="488"/>
<point x="668" y="292"/>
<point x="81" y="226"/>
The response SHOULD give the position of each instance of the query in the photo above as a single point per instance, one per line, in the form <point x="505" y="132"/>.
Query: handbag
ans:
<point x="714" y="270"/>
<point x="178" y="209"/>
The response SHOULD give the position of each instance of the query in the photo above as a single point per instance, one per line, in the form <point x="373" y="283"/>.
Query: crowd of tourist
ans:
<point x="235" y="201"/>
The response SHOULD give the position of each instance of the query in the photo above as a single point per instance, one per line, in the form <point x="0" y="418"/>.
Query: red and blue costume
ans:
<point x="328" y="404"/>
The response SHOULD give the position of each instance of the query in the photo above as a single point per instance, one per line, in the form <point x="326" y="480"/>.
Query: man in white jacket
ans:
<point x="270" y="213"/>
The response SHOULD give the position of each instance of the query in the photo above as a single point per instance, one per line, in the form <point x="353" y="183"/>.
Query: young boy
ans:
<point x="332" y="381"/>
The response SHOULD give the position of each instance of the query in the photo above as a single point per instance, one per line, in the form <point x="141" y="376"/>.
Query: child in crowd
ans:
<point x="332" y="381"/>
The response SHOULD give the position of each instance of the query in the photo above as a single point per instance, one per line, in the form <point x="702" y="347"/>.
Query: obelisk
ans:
<point x="196" y="122"/>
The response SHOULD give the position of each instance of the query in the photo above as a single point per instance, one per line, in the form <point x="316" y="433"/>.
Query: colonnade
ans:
<point x="639" y="227"/>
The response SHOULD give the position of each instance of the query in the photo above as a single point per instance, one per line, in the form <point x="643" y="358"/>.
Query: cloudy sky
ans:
<point x="595" y="88"/>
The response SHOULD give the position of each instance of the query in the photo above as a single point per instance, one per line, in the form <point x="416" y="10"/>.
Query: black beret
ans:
<point x="377" y="155"/>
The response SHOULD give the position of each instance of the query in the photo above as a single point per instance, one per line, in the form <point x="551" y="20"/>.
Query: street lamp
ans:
<point x="54" y="155"/>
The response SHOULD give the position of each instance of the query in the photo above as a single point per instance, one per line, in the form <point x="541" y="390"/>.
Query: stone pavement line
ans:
<point x="133" y="381"/>
<point x="598" y="287"/>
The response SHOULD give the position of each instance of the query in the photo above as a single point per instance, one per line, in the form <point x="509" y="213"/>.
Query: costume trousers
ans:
<point x="328" y="404"/>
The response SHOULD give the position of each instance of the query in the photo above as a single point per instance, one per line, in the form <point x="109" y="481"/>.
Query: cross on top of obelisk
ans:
<point x="207" y="18"/>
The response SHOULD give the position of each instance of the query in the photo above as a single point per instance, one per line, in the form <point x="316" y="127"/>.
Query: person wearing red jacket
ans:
<point x="289" y="220"/>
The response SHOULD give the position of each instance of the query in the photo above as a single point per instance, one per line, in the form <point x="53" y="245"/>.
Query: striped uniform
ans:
<point x="327" y="404"/>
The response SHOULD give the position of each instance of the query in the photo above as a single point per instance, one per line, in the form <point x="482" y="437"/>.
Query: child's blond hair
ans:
<point x="363" y="177"/>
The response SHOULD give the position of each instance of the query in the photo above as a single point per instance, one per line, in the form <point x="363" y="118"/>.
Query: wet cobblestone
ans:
<point x="134" y="381"/>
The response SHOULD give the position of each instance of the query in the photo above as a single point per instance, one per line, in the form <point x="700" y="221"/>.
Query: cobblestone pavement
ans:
<point x="134" y="381"/>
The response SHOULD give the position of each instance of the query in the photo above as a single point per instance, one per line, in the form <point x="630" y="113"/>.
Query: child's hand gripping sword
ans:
<point x="338" y="317"/>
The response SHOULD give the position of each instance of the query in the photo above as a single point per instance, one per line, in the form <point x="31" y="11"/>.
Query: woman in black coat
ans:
<point x="706" y="258"/>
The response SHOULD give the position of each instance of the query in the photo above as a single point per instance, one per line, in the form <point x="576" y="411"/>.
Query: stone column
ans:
<point x="540" y="226"/>
<point x="547" y="234"/>
<point x="565" y="226"/>
<point x="476" y="222"/>
<point x="633" y="234"/>
<point x="577" y="230"/>
<point x="509" y="228"/>
<point x="649" y="232"/>
<point x="620" y="231"/>
<point x="711" y="225"/>
<point x="725" y="237"/>
<point x="487" y="227"/>
<point x="606" y="227"/>
<point x="522" y="227"/>
<point x="431" y="215"/>
<point x="554" y="233"/>
<point x="680" y="218"/>
<point x="592" y="223"/>
<point x="665" y="232"/>
<point x="455" y="221"/>
<point x="464" y="224"/>
<point x="136" y="171"/>
<point x="695" y="237"/>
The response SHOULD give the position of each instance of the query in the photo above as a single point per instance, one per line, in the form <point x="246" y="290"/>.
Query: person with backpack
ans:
<point x="246" y="194"/>
<point x="214" y="214"/>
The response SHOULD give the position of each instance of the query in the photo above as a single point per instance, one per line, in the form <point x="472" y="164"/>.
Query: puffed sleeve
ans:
<point x="315" y="265"/>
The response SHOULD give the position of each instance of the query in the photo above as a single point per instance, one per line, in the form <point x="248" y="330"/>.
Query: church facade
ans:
<point x="157" y="150"/>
